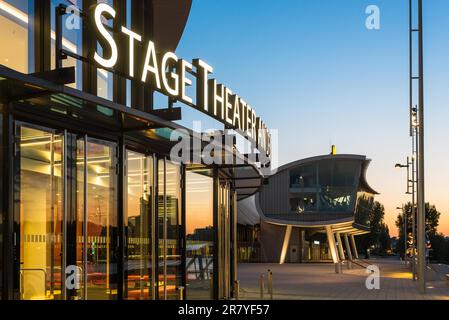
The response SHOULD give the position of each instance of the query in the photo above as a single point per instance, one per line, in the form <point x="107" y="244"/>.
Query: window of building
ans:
<point x="16" y="29"/>
<point x="200" y="234"/>
<point x="72" y="27"/>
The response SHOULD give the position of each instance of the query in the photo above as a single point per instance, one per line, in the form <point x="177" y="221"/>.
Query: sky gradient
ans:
<point x="313" y="71"/>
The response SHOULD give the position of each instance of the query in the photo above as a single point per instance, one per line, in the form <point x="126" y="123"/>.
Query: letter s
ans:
<point x="99" y="11"/>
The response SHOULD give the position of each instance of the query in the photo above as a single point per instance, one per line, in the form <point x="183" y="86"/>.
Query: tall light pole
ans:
<point x="421" y="184"/>
<point x="418" y="129"/>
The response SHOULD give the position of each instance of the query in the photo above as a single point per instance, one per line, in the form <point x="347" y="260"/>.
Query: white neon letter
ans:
<point x="99" y="11"/>
<point x="132" y="36"/>
<point x="174" y="91"/>
<point x="184" y="67"/>
<point x="203" y="70"/>
<point x="152" y="68"/>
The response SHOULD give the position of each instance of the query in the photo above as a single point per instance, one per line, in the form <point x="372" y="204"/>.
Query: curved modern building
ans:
<point x="311" y="210"/>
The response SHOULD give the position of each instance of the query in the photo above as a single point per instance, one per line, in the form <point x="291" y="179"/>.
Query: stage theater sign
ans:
<point x="168" y="74"/>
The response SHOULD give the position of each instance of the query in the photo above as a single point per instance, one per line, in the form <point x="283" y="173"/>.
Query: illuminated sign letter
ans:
<point x="99" y="11"/>
<point x="216" y="98"/>
<point x="165" y="70"/>
<point x="184" y="67"/>
<point x="236" y="111"/>
<point x="243" y="112"/>
<point x="132" y="36"/>
<point x="203" y="70"/>
<point x="152" y="68"/>
<point x="228" y="106"/>
<point x="249" y="120"/>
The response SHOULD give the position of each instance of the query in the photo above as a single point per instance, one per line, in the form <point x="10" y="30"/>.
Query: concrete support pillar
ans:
<point x="348" y="247"/>
<point x="354" y="247"/>
<point x="340" y="247"/>
<point x="288" y="234"/>
<point x="333" y="248"/>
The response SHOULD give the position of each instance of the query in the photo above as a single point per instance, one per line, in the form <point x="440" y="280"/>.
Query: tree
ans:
<point x="373" y="214"/>
<point x="432" y="223"/>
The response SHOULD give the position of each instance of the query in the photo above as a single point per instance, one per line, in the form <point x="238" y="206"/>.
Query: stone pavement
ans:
<point x="320" y="282"/>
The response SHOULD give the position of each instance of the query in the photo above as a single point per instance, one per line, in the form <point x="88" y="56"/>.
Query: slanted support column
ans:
<point x="348" y="247"/>
<point x="354" y="247"/>
<point x="333" y="248"/>
<point x="288" y="234"/>
<point x="340" y="247"/>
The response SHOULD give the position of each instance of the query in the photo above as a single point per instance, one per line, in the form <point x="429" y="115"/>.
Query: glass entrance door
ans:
<point x="224" y="238"/>
<point x="97" y="223"/>
<point x="139" y="228"/>
<point x="39" y="207"/>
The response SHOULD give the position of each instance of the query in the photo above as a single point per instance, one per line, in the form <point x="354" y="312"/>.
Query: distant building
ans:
<point x="310" y="208"/>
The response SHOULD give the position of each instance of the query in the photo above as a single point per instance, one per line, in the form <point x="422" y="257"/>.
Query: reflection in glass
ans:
<point x="139" y="227"/>
<point x="16" y="29"/>
<point x="101" y="247"/>
<point x="224" y="232"/>
<point x="41" y="214"/>
<point x="325" y="186"/>
<point x="200" y="234"/>
<point x="71" y="38"/>
<point x="169" y="196"/>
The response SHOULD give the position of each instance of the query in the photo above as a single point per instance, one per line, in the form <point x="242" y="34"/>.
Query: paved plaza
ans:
<point x="320" y="282"/>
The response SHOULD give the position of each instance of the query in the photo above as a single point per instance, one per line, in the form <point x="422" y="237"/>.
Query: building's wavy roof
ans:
<point x="365" y="164"/>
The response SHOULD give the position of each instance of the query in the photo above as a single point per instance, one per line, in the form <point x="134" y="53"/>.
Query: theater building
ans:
<point x="309" y="211"/>
<point x="92" y="205"/>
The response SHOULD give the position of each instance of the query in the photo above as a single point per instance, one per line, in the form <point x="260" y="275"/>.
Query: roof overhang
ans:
<point x="36" y="95"/>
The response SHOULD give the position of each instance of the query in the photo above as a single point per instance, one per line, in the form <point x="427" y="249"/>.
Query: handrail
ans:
<point x="22" y="277"/>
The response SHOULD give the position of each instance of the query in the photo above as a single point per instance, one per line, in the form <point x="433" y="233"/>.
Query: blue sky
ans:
<point x="313" y="71"/>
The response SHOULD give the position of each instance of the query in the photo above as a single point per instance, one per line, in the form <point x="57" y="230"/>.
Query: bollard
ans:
<point x="181" y="293"/>
<point x="338" y="267"/>
<point x="270" y="284"/>
<point x="236" y="289"/>
<point x="262" y="286"/>
<point x="349" y="264"/>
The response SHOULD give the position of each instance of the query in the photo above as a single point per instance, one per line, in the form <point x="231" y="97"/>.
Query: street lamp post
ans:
<point x="421" y="195"/>
<point x="417" y="131"/>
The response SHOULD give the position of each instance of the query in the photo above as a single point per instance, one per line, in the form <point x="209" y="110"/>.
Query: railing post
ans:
<point x="181" y="293"/>
<point x="262" y="286"/>
<point x="270" y="284"/>
<point x="237" y="290"/>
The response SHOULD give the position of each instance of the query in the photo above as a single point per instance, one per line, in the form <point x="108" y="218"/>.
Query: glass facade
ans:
<point x="324" y="186"/>
<point x="97" y="213"/>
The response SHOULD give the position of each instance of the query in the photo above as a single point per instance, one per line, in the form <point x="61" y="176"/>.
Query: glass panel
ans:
<point x="169" y="217"/>
<point x="102" y="252"/>
<point x="16" y="29"/>
<point x="200" y="234"/>
<point x="338" y="185"/>
<point x="303" y="177"/>
<point x="80" y="247"/>
<point x="1" y="203"/>
<point x="173" y="197"/>
<point x="224" y="265"/>
<point x="41" y="214"/>
<point x="139" y="226"/>
<point x="161" y="228"/>
<point x="71" y="38"/>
